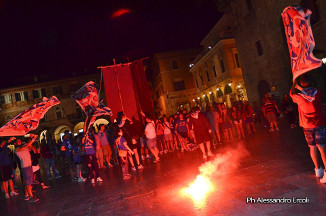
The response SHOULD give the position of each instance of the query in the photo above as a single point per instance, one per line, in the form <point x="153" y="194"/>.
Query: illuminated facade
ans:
<point x="65" y="116"/>
<point x="217" y="70"/>
<point x="172" y="85"/>
<point x="262" y="45"/>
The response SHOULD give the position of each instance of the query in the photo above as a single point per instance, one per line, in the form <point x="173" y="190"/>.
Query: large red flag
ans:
<point x="29" y="119"/>
<point x="142" y="88"/>
<point x="300" y="40"/>
<point x="120" y="91"/>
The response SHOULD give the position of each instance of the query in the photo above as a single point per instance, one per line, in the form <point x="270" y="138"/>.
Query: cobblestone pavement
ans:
<point x="278" y="166"/>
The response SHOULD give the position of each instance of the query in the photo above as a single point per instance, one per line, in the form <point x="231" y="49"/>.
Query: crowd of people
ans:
<point x="126" y="142"/>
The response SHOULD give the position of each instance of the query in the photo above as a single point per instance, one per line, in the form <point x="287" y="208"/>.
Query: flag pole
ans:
<point x="117" y="80"/>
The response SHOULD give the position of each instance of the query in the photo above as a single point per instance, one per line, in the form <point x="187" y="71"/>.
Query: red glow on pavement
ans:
<point x="120" y="12"/>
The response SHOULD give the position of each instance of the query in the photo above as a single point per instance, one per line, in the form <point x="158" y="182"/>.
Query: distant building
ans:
<point x="262" y="45"/>
<point x="68" y="115"/>
<point x="172" y="84"/>
<point x="217" y="70"/>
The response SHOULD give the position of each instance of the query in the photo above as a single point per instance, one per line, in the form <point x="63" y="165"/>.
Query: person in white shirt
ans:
<point x="150" y="134"/>
<point x="26" y="166"/>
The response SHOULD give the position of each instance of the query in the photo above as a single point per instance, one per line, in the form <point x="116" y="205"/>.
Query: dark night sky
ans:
<point x="64" y="37"/>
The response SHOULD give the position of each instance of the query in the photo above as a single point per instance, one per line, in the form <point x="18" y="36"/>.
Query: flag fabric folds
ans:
<point x="88" y="97"/>
<point x="89" y="100"/>
<point x="300" y="40"/>
<point x="29" y="119"/>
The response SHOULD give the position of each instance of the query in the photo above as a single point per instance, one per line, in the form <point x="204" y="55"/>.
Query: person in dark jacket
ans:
<point x="200" y="126"/>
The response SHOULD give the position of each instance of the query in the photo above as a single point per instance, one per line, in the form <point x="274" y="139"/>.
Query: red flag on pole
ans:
<point x="300" y="40"/>
<point x="126" y="89"/>
<point x="29" y="119"/>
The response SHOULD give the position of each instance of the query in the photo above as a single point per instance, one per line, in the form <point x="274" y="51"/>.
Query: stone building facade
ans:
<point x="66" y="116"/>
<point x="172" y="85"/>
<point x="262" y="45"/>
<point x="217" y="71"/>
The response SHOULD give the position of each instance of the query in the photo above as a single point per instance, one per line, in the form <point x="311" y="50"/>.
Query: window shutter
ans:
<point x="2" y="99"/>
<point x="25" y="96"/>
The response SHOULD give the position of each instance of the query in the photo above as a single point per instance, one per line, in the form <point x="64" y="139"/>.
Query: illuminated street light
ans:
<point x="209" y="47"/>
<point x="204" y="95"/>
<point x="239" y="85"/>
<point x="324" y="60"/>
<point x="193" y="100"/>
<point x="217" y="89"/>
<point x="198" y="98"/>
<point x="229" y="84"/>
<point x="210" y="92"/>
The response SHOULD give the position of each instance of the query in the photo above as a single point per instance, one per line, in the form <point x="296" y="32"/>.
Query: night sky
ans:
<point x="56" y="39"/>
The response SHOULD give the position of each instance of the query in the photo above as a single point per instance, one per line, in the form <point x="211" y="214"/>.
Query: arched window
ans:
<point x="227" y="90"/>
<point x="59" y="113"/>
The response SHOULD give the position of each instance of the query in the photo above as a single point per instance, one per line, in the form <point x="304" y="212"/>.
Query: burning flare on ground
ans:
<point x="222" y="164"/>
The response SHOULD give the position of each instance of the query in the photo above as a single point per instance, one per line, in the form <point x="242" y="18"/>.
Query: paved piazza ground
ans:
<point x="278" y="166"/>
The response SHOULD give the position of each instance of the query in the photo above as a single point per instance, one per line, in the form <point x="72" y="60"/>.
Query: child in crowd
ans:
<point x="236" y="116"/>
<point x="226" y="124"/>
<point x="160" y="136"/>
<point x="77" y="158"/>
<point x="123" y="150"/>
<point x="248" y="114"/>
<point x="35" y="155"/>
<point x="90" y="156"/>
<point x="182" y="131"/>
<point x="168" y="137"/>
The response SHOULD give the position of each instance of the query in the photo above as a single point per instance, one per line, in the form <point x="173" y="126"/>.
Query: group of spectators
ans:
<point x="126" y="141"/>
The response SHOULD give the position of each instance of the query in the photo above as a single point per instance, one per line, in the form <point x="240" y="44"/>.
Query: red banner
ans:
<point x="127" y="90"/>
<point x="142" y="87"/>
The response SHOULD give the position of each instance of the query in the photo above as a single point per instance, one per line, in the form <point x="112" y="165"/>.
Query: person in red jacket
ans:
<point x="311" y="120"/>
<point x="200" y="126"/>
